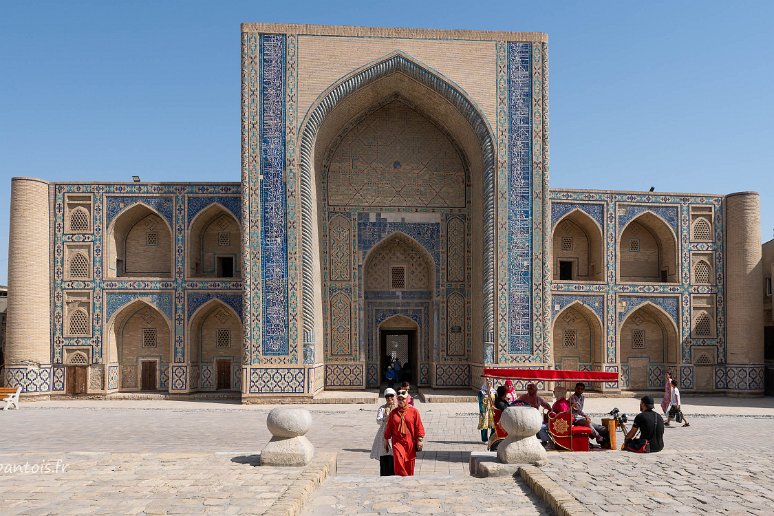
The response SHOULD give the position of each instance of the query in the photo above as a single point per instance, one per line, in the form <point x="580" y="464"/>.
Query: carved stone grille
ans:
<point x="701" y="272"/>
<point x="570" y="338"/>
<point x="151" y="238"/>
<point x="702" y="230"/>
<point x="79" y="322"/>
<point x="223" y="338"/>
<point x="638" y="339"/>
<point x="398" y="277"/>
<point x="79" y="266"/>
<point x="703" y="325"/>
<point x="566" y="243"/>
<point x="634" y="245"/>
<point x="150" y="338"/>
<point x="79" y="220"/>
<point x="224" y="238"/>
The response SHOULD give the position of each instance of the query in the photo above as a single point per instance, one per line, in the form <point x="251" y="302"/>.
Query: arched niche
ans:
<point x="139" y="244"/>
<point x="140" y="338"/>
<point x="447" y="108"/>
<point x="648" y="337"/>
<point x="647" y="251"/>
<point x="215" y="344"/>
<point x="399" y="267"/>
<point x="579" y="248"/>
<point x="214" y="244"/>
<point x="578" y="338"/>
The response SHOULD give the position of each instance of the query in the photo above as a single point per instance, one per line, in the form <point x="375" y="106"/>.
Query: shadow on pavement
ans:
<point x="252" y="460"/>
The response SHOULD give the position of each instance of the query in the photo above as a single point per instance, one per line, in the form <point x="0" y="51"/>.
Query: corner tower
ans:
<point x="28" y="345"/>
<point x="744" y="283"/>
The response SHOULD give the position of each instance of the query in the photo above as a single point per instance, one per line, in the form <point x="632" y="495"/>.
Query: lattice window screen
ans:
<point x="701" y="272"/>
<point x="79" y="220"/>
<point x="79" y="266"/>
<point x="150" y="338"/>
<point x="570" y="338"/>
<point x="638" y="339"/>
<point x="398" y="277"/>
<point x="703" y="325"/>
<point x="78" y="359"/>
<point x="224" y="238"/>
<point x="151" y="238"/>
<point x="566" y="243"/>
<point x="702" y="230"/>
<point x="634" y="245"/>
<point x="79" y="322"/>
<point x="223" y="338"/>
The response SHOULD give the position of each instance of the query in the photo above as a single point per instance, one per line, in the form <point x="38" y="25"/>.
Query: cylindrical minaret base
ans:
<point x="743" y="373"/>
<point x="28" y="327"/>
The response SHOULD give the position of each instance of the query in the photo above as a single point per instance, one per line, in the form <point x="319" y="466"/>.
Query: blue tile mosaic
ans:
<point x="197" y="203"/>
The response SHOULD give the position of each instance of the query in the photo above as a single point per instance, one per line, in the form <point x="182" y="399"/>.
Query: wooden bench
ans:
<point x="10" y="396"/>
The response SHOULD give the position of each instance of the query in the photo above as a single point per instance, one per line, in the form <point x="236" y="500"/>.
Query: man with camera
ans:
<point x="651" y="427"/>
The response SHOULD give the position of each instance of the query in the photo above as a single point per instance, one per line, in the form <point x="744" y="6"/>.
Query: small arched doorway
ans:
<point x="398" y="342"/>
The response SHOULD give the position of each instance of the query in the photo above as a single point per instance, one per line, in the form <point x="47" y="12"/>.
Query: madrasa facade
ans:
<point x="394" y="203"/>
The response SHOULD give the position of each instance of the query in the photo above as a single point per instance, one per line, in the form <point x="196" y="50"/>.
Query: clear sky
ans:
<point x="675" y="95"/>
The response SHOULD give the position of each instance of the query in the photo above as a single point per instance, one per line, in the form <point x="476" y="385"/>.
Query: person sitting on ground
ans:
<point x="580" y="418"/>
<point x="651" y="428"/>
<point x="674" y="406"/>
<point x="532" y="399"/>
<point x="389" y="375"/>
<point x="405" y="386"/>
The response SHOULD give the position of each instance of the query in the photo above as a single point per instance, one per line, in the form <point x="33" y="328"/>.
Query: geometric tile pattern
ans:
<point x="452" y="375"/>
<point x="344" y="375"/>
<point x="280" y="380"/>
<point x="274" y="266"/>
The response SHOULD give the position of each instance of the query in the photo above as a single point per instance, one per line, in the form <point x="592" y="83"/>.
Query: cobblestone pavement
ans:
<point x="717" y="465"/>
<point x="424" y="494"/>
<point x="146" y="456"/>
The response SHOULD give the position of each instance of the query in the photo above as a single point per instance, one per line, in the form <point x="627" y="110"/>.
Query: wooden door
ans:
<point x="224" y="374"/>
<point x="148" y="382"/>
<point x="76" y="380"/>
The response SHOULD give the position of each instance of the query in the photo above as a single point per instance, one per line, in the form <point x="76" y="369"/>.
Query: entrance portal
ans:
<point x="148" y="375"/>
<point x="223" y="374"/>
<point x="401" y="346"/>
<point x="76" y="380"/>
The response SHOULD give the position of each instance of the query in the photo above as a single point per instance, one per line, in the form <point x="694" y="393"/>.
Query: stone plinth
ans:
<point x="288" y="445"/>
<point x="521" y="446"/>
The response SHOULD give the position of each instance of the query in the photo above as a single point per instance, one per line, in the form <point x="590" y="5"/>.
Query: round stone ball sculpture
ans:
<point x="288" y="445"/>
<point x="289" y="421"/>
<point x="521" y="446"/>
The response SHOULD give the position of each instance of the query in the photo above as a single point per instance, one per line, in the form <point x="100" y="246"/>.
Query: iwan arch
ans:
<point x="394" y="199"/>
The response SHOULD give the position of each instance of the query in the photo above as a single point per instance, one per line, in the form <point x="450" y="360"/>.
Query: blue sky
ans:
<point x="675" y="95"/>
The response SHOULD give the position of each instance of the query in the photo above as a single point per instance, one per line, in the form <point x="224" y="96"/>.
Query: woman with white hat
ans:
<point x="386" y="465"/>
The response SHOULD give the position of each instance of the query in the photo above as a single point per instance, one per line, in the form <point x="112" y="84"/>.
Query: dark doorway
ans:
<point x="148" y="376"/>
<point x="223" y="371"/>
<point x="565" y="269"/>
<point x="664" y="276"/>
<point x="225" y="267"/>
<point x="76" y="380"/>
<point x="400" y="344"/>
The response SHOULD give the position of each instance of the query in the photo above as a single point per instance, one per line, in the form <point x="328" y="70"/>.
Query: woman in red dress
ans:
<point x="405" y="429"/>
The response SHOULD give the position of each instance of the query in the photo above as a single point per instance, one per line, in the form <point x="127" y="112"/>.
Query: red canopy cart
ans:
<point x="561" y="429"/>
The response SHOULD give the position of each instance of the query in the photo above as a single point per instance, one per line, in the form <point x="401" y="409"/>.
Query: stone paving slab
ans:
<point x="715" y="466"/>
<point x="730" y="454"/>
<point x="154" y="483"/>
<point x="424" y="494"/>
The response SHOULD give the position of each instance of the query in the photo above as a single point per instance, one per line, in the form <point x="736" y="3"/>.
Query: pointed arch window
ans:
<point x="79" y="220"/>
<point x="702" y="229"/>
<point x="79" y="266"/>
<point x="701" y="272"/>
<point x="79" y="322"/>
<point x="703" y="325"/>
